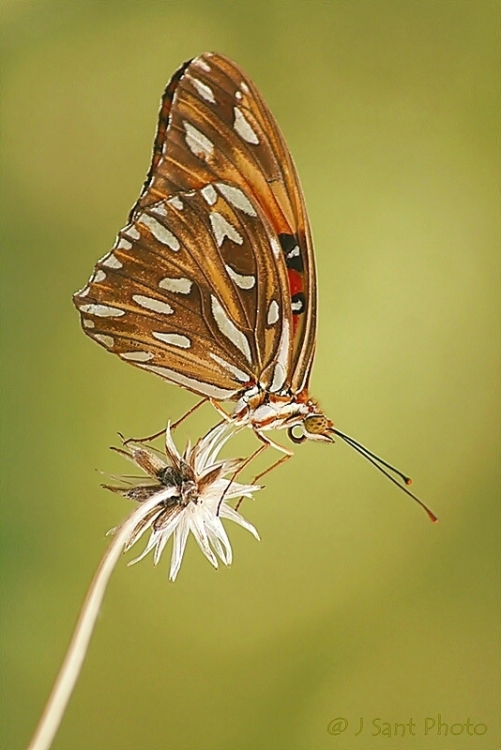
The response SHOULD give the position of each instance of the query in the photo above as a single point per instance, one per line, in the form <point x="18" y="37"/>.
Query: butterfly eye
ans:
<point x="296" y="438"/>
<point x="318" y="427"/>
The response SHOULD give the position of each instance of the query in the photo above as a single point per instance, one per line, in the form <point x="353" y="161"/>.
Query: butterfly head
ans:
<point x="315" y="426"/>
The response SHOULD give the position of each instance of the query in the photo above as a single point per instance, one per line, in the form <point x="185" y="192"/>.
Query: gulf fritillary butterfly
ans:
<point x="211" y="284"/>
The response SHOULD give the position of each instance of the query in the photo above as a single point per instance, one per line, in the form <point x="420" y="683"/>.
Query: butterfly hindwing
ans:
<point x="182" y="293"/>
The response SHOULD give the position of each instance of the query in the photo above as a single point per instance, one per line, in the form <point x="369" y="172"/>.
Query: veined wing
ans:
<point x="215" y="127"/>
<point x="195" y="290"/>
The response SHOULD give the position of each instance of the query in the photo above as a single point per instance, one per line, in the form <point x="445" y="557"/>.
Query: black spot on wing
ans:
<point x="292" y="251"/>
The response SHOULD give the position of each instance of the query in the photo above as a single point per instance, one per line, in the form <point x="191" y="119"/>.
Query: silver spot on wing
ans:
<point x="243" y="127"/>
<point x="273" y="311"/>
<point x="176" y="202"/>
<point x="137" y="356"/>
<point x="209" y="194"/>
<point x="161" y="233"/>
<point x="158" y="209"/>
<point x="201" y="64"/>
<point x="175" y="339"/>
<point x="204" y="90"/>
<point x="280" y="371"/>
<point x="229" y="329"/>
<point x="179" y="286"/>
<point x="107" y="341"/>
<point x="243" y="282"/>
<point x="131" y="231"/>
<point x="222" y="228"/>
<point x="99" y="276"/>
<point x="111" y="262"/>
<point x="155" y="305"/>
<point x="236" y="197"/>
<point x="102" y="311"/>
<point x="197" y="142"/>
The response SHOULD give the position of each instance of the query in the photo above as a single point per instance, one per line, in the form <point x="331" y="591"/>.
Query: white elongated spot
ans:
<point x="220" y="394"/>
<point x="158" y="209"/>
<point x="209" y="194"/>
<point x="275" y="247"/>
<point x="235" y="371"/>
<point x="137" y="356"/>
<point x="242" y="126"/>
<point x="179" y="286"/>
<point x="294" y="253"/>
<point x="155" y="305"/>
<point x="222" y="228"/>
<point x="102" y="311"/>
<point x="280" y="372"/>
<point x="161" y="233"/>
<point x="244" y="87"/>
<point x="176" y="202"/>
<point x="236" y="197"/>
<point x="197" y="142"/>
<point x="201" y="64"/>
<point x="99" y="276"/>
<point x="204" y="90"/>
<point x="238" y="95"/>
<point x="229" y="329"/>
<point x="83" y="292"/>
<point x="107" y="341"/>
<point x="132" y="231"/>
<point x="175" y="339"/>
<point x="244" y="282"/>
<point x="297" y="306"/>
<point x="123" y="244"/>
<point x="88" y="323"/>
<point x="273" y="311"/>
<point x="112" y="262"/>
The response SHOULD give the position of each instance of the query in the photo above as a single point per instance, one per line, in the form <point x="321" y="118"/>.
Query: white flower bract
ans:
<point x="192" y="492"/>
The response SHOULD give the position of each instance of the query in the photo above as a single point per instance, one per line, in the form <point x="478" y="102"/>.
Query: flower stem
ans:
<point x="72" y="664"/>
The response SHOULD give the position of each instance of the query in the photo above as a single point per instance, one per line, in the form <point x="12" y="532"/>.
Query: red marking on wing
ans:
<point x="295" y="281"/>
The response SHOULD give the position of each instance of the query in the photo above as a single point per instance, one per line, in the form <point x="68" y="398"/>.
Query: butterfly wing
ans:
<point x="196" y="288"/>
<point x="214" y="125"/>
<point x="183" y="293"/>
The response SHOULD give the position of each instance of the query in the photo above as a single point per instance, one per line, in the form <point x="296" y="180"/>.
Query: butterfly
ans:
<point x="211" y="284"/>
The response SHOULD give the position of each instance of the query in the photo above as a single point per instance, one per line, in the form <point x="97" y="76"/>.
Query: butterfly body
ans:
<point x="211" y="284"/>
<point x="262" y="410"/>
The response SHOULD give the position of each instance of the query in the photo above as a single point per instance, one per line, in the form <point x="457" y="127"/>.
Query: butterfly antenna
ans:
<point x="379" y="463"/>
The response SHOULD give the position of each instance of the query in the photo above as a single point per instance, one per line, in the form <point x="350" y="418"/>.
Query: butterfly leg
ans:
<point x="189" y="412"/>
<point x="247" y="461"/>
<point x="173" y="426"/>
<point x="220" y="410"/>
<point x="288" y="453"/>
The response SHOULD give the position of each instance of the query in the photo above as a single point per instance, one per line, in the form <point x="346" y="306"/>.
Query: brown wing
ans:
<point x="193" y="292"/>
<point x="215" y="126"/>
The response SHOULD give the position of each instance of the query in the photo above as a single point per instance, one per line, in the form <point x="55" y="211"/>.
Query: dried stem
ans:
<point x="70" y="669"/>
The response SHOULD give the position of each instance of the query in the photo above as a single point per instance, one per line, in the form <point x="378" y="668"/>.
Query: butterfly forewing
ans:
<point x="220" y="127"/>
<point x="213" y="281"/>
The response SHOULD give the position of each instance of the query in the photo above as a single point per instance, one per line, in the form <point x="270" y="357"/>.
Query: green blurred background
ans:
<point x="353" y="604"/>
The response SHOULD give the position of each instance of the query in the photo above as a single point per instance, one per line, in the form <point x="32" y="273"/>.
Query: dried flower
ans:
<point x="192" y="494"/>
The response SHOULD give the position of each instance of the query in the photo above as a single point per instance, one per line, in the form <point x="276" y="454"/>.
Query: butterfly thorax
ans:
<point x="261" y="410"/>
